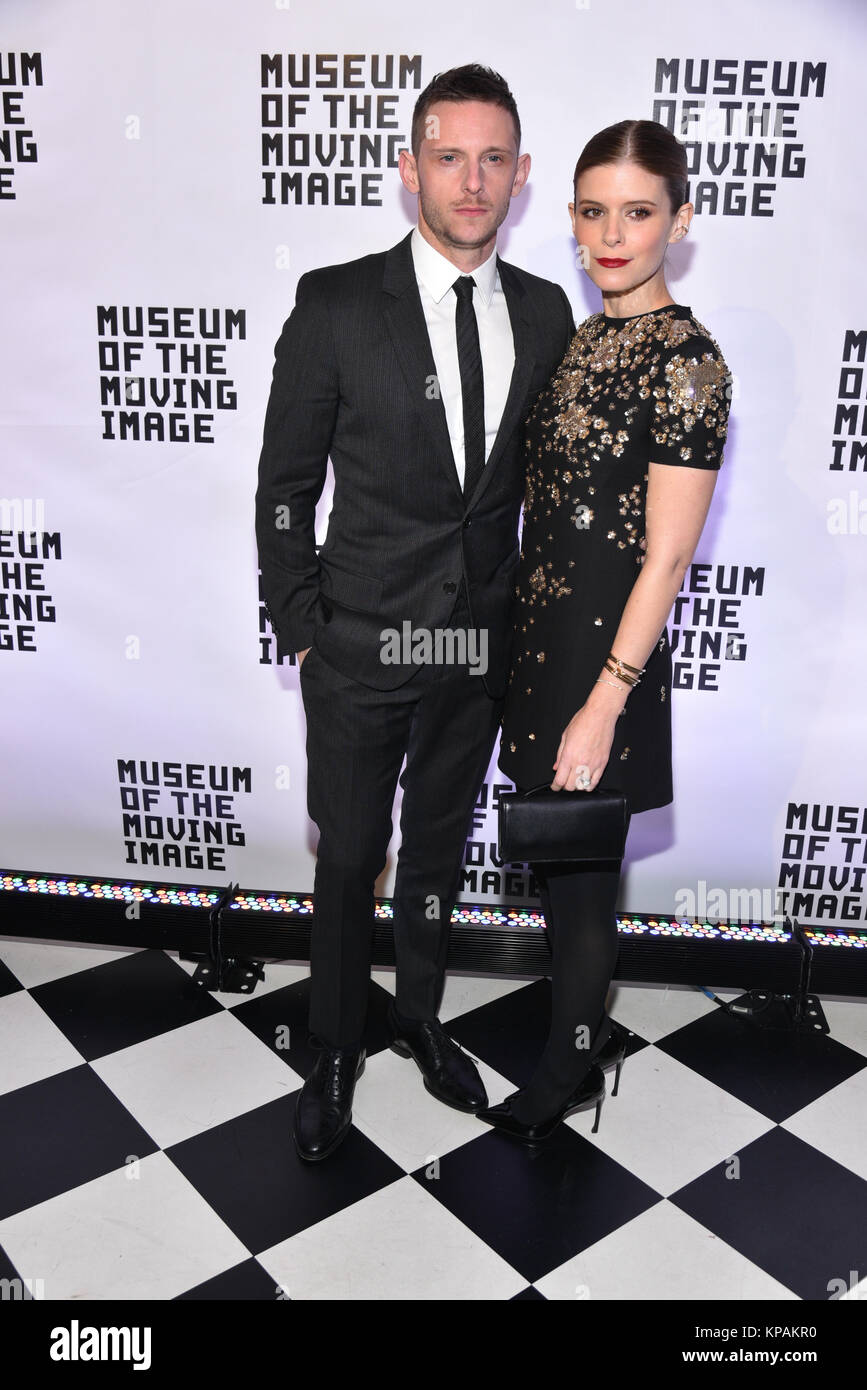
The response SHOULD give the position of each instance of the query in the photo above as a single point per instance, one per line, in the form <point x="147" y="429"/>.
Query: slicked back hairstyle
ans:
<point x="648" y="144"/>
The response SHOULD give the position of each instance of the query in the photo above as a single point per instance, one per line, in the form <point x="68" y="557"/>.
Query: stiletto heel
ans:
<point x="598" y="1113"/>
<point x="613" y="1052"/>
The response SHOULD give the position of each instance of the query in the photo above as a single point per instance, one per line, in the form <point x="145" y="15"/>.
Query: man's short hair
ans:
<point x="472" y="82"/>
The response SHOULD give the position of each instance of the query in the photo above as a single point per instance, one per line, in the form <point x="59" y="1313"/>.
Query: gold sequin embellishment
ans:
<point x="652" y="389"/>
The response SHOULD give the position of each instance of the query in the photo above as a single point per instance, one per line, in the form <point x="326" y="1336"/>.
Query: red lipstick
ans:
<point x="610" y="261"/>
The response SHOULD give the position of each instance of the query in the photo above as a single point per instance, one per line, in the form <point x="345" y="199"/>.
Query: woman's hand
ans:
<point x="586" y="744"/>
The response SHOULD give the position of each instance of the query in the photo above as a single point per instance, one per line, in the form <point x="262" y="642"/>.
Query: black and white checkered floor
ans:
<point x="147" y="1149"/>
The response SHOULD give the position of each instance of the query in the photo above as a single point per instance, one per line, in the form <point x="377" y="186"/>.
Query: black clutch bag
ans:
<point x="545" y="826"/>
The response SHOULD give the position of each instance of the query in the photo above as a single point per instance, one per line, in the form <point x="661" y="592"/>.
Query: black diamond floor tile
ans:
<point x="249" y="1172"/>
<point x="279" y="1019"/>
<point x="247" y="1282"/>
<point x="123" y="1002"/>
<point x="776" y="1072"/>
<point x="61" y="1132"/>
<point x="787" y="1207"/>
<point x="510" y="1033"/>
<point x="14" y="1282"/>
<point x="9" y="983"/>
<point x="538" y="1207"/>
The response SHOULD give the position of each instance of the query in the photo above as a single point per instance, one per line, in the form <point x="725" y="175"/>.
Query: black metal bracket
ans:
<point x="798" y="1012"/>
<point x="216" y="971"/>
<point x="801" y="1013"/>
<point x="808" y="1011"/>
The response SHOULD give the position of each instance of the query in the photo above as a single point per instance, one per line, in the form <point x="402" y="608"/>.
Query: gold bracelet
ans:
<point x="633" y="670"/>
<point x="621" y="674"/>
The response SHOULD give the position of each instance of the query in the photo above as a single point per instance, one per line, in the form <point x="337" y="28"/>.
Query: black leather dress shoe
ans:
<point x="449" y="1073"/>
<point x="591" y="1091"/>
<point x="323" y="1112"/>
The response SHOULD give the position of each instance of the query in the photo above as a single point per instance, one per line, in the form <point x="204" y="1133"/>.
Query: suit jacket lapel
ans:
<point x="405" y="320"/>
<point x="404" y="317"/>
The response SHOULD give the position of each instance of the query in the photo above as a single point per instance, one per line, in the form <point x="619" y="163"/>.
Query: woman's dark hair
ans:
<point x="645" y="143"/>
<point x="472" y="82"/>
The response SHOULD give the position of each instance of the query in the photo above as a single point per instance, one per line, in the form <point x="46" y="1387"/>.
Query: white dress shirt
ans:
<point x="436" y="275"/>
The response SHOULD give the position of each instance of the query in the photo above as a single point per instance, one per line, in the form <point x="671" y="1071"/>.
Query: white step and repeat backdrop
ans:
<point x="167" y="172"/>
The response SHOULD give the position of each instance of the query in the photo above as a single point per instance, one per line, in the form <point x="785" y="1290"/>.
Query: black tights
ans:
<point x="578" y="901"/>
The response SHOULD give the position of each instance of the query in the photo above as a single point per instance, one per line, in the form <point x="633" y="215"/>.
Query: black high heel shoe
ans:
<point x="591" y="1091"/>
<point x="613" y="1052"/>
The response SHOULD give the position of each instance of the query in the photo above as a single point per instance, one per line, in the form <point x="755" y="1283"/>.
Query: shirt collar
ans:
<point x="438" y="274"/>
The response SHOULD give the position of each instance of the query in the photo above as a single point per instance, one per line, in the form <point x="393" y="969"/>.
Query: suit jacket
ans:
<point x="354" y="378"/>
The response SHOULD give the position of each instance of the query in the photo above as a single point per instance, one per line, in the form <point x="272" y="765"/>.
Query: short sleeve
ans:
<point x="691" y="406"/>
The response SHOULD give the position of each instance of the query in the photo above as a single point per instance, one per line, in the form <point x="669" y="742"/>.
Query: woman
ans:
<point x="610" y="527"/>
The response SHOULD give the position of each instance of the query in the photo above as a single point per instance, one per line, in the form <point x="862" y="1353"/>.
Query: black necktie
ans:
<point x="472" y="383"/>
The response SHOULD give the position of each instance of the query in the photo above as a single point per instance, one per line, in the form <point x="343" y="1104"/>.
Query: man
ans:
<point x="413" y="369"/>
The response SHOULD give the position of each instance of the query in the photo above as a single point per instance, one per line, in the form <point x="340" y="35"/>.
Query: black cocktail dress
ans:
<point x="652" y="388"/>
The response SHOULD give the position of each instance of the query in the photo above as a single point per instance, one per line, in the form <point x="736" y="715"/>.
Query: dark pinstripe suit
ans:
<point x="352" y="379"/>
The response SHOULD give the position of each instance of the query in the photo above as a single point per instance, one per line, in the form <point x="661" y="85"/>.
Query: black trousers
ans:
<point x="445" y="724"/>
<point x="579" y="905"/>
